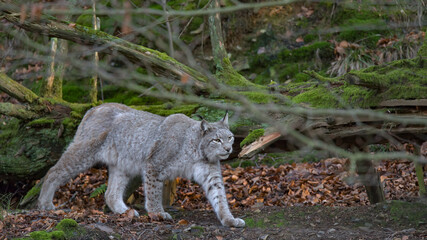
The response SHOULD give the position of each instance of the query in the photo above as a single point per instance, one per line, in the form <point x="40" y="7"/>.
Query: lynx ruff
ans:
<point x="137" y="143"/>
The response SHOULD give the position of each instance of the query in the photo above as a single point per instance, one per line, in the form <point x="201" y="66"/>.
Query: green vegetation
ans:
<point x="168" y="109"/>
<point x="277" y="159"/>
<point x="99" y="191"/>
<point x="67" y="225"/>
<point x="414" y="213"/>
<point x="252" y="137"/>
<point x="41" y="122"/>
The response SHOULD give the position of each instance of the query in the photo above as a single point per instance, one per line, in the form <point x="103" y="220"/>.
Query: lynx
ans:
<point x="137" y="143"/>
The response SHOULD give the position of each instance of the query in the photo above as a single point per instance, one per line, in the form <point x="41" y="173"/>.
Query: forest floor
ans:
<point x="292" y="201"/>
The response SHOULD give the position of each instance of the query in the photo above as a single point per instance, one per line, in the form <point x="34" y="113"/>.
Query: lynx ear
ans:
<point x="225" y="119"/>
<point x="205" y="126"/>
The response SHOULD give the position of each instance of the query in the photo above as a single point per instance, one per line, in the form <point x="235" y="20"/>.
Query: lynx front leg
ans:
<point x="211" y="179"/>
<point x="153" y="197"/>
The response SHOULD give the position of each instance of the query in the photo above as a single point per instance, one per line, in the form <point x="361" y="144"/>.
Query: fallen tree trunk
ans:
<point x="135" y="53"/>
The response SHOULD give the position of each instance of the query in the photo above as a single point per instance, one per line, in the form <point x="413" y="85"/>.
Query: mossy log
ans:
<point x="163" y="64"/>
<point x="34" y="139"/>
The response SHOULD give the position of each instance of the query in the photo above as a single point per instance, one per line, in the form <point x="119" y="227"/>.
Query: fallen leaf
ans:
<point x="183" y="222"/>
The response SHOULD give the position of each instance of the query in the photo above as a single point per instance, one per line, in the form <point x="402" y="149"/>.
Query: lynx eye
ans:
<point x="230" y="138"/>
<point x="217" y="140"/>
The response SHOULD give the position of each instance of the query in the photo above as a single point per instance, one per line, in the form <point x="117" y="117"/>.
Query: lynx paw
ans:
<point x="233" y="222"/>
<point x="46" y="206"/>
<point x="159" y="216"/>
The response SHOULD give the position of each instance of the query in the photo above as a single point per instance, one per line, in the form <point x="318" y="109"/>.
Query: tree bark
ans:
<point x="371" y="180"/>
<point x="16" y="90"/>
<point x="217" y="41"/>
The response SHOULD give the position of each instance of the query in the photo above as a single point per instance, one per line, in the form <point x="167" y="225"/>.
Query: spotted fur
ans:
<point x="137" y="143"/>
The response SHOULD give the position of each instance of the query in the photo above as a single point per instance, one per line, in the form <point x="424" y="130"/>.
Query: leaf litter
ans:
<point x="326" y="183"/>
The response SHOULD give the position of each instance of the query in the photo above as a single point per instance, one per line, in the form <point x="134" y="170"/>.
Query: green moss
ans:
<point x="8" y="128"/>
<point x="58" y="235"/>
<point x="40" y="235"/>
<point x="229" y="76"/>
<point x="76" y="115"/>
<point x="301" y="77"/>
<point x="168" y="109"/>
<point x="127" y="97"/>
<point x="352" y="30"/>
<point x="252" y="137"/>
<point x="307" y="52"/>
<point x="422" y="52"/>
<point x="70" y="123"/>
<point x="27" y="153"/>
<point x="259" y="97"/>
<point x="40" y="122"/>
<point x="310" y="38"/>
<point x="85" y="18"/>
<point x="318" y="97"/>
<point x="75" y="92"/>
<point x="255" y="223"/>
<point x="32" y="194"/>
<point x="353" y="12"/>
<point x="401" y="79"/>
<point x="289" y="70"/>
<point x="357" y="96"/>
<point x="67" y="225"/>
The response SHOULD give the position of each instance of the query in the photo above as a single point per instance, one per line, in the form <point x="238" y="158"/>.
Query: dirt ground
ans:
<point x="391" y="220"/>
<point x="396" y="220"/>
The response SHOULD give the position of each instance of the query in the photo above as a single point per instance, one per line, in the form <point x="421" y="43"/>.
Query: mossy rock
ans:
<point x="401" y="79"/>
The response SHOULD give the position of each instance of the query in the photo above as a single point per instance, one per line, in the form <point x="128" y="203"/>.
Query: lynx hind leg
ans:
<point x="72" y="162"/>
<point x="117" y="182"/>
<point x="153" y="188"/>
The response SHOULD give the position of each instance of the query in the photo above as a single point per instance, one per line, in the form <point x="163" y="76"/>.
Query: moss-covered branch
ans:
<point x="135" y="53"/>
<point x="16" y="90"/>
<point x="319" y="77"/>
<point x="16" y="110"/>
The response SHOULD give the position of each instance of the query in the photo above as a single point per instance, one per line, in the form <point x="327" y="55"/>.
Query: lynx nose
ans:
<point x="228" y="149"/>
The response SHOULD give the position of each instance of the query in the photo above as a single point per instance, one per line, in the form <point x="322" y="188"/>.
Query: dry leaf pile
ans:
<point x="327" y="182"/>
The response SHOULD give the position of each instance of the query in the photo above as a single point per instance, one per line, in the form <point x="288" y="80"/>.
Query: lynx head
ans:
<point x="217" y="140"/>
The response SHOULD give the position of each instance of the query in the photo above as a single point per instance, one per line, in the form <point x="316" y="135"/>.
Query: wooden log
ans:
<point x="404" y="103"/>
<point x="371" y="180"/>
<point x="259" y="145"/>
<point x="169" y="192"/>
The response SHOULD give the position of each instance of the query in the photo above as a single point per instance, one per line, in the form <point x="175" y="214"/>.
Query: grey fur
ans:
<point x="132" y="142"/>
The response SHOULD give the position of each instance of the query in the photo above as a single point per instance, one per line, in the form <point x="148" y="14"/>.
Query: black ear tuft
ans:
<point x="199" y="116"/>
<point x="225" y="119"/>
<point x="205" y="126"/>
